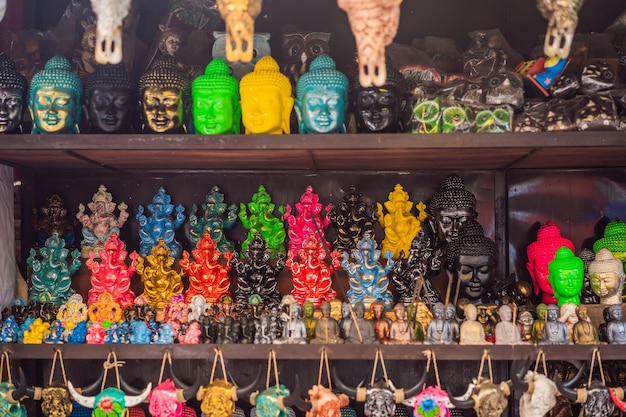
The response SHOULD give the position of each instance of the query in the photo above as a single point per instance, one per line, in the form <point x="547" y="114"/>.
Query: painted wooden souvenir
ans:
<point x="554" y="332"/>
<point x="101" y="223"/>
<point x="258" y="217"/>
<point x="352" y="218"/>
<point x="307" y="220"/>
<point x="562" y="21"/>
<point x="207" y="277"/>
<point x="217" y="216"/>
<point x="112" y="275"/>
<point x="488" y="399"/>
<point x="105" y="308"/>
<point x="10" y="398"/>
<point x="8" y="332"/>
<point x="368" y="278"/>
<point x="111" y="402"/>
<point x="14" y="88"/>
<point x="52" y="217"/>
<point x="110" y="16"/>
<point x="191" y="335"/>
<point x="160" y="224"/>
<point x="160" y="281"/>
<point x="311" y="274"/>
<point x="400" y="225"/>
<point x="50" y="272"/>
<point x="239" y="18"/>
<point x="374" y="25"/>
<point x="36" y="333"/>
<point x="300" y="49"/>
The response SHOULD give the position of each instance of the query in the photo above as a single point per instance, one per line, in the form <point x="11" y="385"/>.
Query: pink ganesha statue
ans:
<point x="207" y="277"/>
<point x="308" y="219"/>
<point x="111" y="274"/>
<point x="311" y="275"/>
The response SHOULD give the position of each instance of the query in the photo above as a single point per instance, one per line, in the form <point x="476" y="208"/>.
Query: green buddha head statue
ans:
<point x="164" y="96"/>
<point x="266" y="101"/>
<point x="321" y="98"/>
<point x="13" y="91"/>
<point x="109" y="99"/>
<point x="566" y="275"/>
<point x="55" y="98"/>
<point x="614" y="239"/>
<point x="215" y="94"/>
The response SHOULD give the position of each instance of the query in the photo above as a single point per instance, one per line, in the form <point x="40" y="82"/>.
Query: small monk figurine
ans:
<point x="294" y="331"/>
<point x="266" y="101"/>
<point x="160" y="224"/>
<point x="258" y="216"/>
<point x="439" y="330"/>
<point x="110" y="97"/>
<point x="536" y="334"/>
<point x="217" y="217"/>
<point x="554" y="332"/>
<point x="472" y="332"/>
<point x="55" y="98"/>
<point x="382" y="326"/>
<point x="366" y="332"/>
<point x="215" y="94"/>
<point x="616" y="328"/>
<point x="401" y="332"/>
<point x="417" y="328"/>
<point x="13" y="93"/>
<point x="326" y="328"/>
<point x="322" y="98"/>
<point x="164" y="97"/>
<point x="584" y="332"/>
<point x="606" y="274"/>
<point x="307" y="219"/>
<point x="101" y="223"/>
<point x="566" y="275"/>
<point x="309" y="319"/>
<point x="507" y="332"/>
<point x="567" y="315"/>
<point x="540" y="254"/>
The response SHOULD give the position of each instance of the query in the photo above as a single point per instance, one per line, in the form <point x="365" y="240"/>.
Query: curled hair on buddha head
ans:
<point x="110" y="75"/>
<point x="471" y="242"/>
<point x="164" y="73"/>
<point x="322" y="73"/>
<point x="266" y="72"/>
<point x="614" y="237"/>
<point x="452" y="194"/>
<point x="605" y="262"/>
<point x="57" y="73"/>
<point x="11" y="78"/>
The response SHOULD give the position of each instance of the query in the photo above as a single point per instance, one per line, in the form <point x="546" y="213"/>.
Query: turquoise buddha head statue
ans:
<point x="109" y="99"/>
<point x="55" y="98"/>
<point x="164" y="97"/>
<point x="321" y="98"/>
<point x="215" y="95"/>
<point x="13" y="91"/>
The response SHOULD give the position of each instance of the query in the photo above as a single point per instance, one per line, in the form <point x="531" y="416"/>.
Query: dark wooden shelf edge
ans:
<point x="312" y="352"/>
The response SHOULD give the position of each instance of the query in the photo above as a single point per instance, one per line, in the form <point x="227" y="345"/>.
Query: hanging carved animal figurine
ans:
<point x="380" y="398"/>
<point x="562" y="18"/>
<point x="325" y="403"/>
<point x="110" y="15"/>
<point x="488" y="399"/>
<point x="239" y="17"/>
<point x="112" y="401"/>
<point x="10" y="395"/>
<point x="595" y="399"/>
<point x="374" y="24"/>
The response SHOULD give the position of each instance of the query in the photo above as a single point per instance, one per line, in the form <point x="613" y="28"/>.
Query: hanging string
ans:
<point x="167" y="356"/>
<point x="57" y="354"/>
<point x="324" y="364"/>
<point x="114" y="364"/>
<point x="596" y="354"/>
<point x="218" y="357"/>
<point x="379" y="356"/>
<point x="432" y="357"/>
<point x="486" y="356"/>
<point x="3" y="359"/>
<point x="541" y="357"/>
<point x="271" y="364"/>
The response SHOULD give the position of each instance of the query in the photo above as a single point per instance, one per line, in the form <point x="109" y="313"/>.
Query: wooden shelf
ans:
<point x="312" y="352"/>
<point x="312" y="153"/>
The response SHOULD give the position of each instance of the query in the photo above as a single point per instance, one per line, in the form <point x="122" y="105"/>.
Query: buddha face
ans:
<point x="322" y="110"/>
<point x="109" y="109"/>
<point x="213" y="113"/>
<point x="474" y="274"/>
<point x="377" y="108"/>
<point x="162" y="109"/>
<point x="54" y="110"/>
<point x="262" y="111"/>
<point x="568" y="282"/>
<point x="11" y="105"/>
<point x="605" y="284"/>
<point x="449" y="220"/>
<point x="309" y="310"/>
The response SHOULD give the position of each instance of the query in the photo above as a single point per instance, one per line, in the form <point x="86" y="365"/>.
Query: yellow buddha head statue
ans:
<point x="266" y="101"/>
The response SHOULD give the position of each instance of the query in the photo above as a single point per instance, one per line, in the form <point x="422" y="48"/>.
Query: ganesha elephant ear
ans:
<point x="84" y="400"/>
<point x="462" y="404"/>
<point x="133" y="400"/>
<point x="242" y="392"/>
<point x="567" y="392"/>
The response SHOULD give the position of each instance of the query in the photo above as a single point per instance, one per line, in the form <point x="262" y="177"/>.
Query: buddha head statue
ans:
<point x="566" y="275"/>
<point x="321" y="98"/>
<point x="452" y="206"/>
<point x="469" y="262"/>
<point x="540" y="253"/>
<point x="215" y="94"/>
<point x="614" y="239"/>
<point x="110" y="99"/>
<point x="164" y="96"/>
<point x="13" y="91"/>
<point x="379" y="109"/>
<point x="266" y="101"/>
<point x="606" y="274"/>
<point x="55" y="98"/>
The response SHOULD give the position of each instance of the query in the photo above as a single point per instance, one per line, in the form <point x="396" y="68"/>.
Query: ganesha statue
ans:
<point x="307" y="220"/>
<point x="161" y="224"/>
<point x="217" y="217"/>
<point x="258" y="216"/>
<point x="160" y="281"/>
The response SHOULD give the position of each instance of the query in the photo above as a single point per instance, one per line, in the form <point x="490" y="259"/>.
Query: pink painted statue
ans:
<point x="311" y="275"/>
<point x="302" y="224"/>
<point x="207" y="277"/>
<point x="192" y="335"/>
<point x="111" y="274"/>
